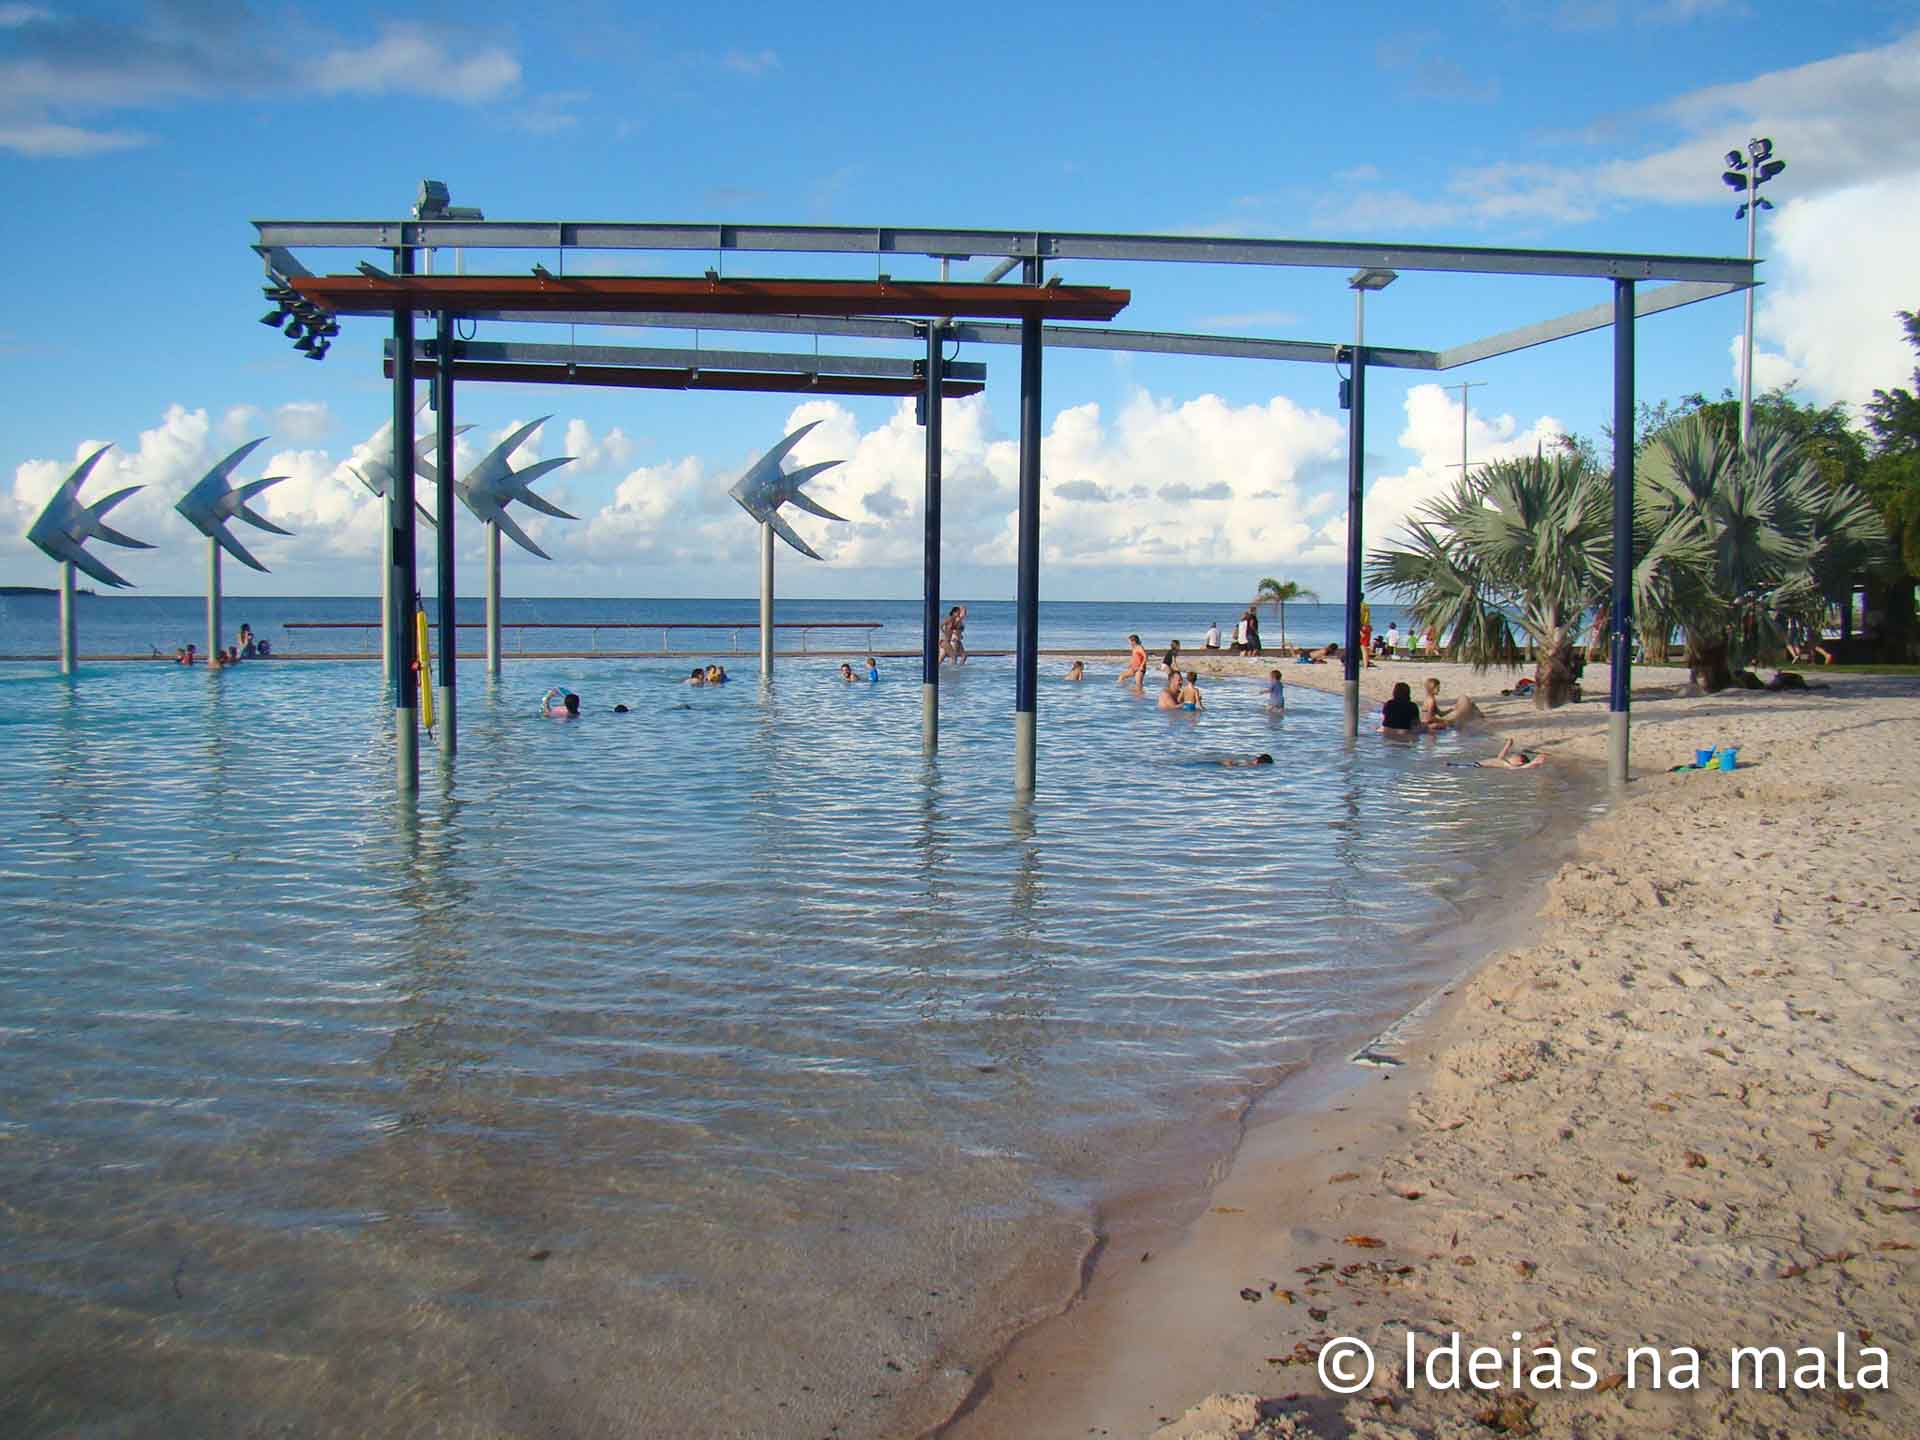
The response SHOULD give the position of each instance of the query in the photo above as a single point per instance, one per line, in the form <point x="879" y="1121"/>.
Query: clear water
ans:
<point x="720" y="1069"/>
<point x="139" y="624"/>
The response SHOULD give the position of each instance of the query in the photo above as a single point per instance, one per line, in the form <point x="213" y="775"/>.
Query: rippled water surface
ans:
<point x="721" y="1068"/>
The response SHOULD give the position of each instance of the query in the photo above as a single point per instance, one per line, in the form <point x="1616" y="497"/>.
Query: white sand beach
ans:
<point x="1680" y="1108"/>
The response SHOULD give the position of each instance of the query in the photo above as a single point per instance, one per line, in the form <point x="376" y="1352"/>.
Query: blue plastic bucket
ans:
<point x="1730" y="757"/>
<point x="1703" y="758"/>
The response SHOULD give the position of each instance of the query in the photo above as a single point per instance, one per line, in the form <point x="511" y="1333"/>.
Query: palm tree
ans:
<point x="1757" y="537"/>
<point x="1516" y="543"/>
<point x="1279" y="592"/>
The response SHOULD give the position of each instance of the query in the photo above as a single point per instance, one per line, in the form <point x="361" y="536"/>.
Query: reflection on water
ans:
<point x="723" y="1068"/>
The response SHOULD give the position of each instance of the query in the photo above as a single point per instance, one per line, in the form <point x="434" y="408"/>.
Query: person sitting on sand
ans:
<point x="1077" y="670"/>
<point x="555" y="705"/>
<point x="1136" y="670"/>
<point x="1276" y="691"/>
<point x="1327" y="652"/>
<point x="1462" y="712"/>
<point x="1212" y="642"/>
<point x="1400" y="715"/>
<point x="1510" y="759"/>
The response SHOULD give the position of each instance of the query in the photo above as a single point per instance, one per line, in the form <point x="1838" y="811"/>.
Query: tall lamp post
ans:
<point x="1746" y="174"/>
<point x="1361" y="281"/>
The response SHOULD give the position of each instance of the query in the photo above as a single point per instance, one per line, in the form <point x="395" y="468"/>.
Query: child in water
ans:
<point x="873" y="671"/>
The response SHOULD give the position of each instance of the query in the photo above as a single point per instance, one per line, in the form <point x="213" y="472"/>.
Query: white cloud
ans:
<point x="1842" y="265"/>
<point x="1432" y="433"/>
<point x="43" y="139"/>
<point x="303" y="419"/>
<point x="609" y="452"/>
<point x="412" y="59"/>
<point x="750" y="62"/>
<point x="58" y="63"/>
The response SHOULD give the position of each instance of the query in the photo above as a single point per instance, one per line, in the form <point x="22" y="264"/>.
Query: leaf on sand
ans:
<point x="1893" y="1245"/>
<point x="1409" y="1194"/>
<point x="1343" y="1177"/>
<point x="1249" y="1294"/>
<point x="1662" y="1107"/>
<point x="1364" y="1242"/>
<point x="1466" y="1260"/>
<point x="1695" y="1160"/>
<point x="1626" y="1179"/>
<point x="1612" y="1382"/>
<point x="1228" y="1210"/>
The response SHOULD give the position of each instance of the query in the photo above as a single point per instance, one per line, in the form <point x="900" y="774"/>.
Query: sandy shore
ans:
<point x="1682" y="1109"/>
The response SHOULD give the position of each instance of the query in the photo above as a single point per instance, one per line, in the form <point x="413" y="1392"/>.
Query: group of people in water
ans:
<point x="244" y="648"/>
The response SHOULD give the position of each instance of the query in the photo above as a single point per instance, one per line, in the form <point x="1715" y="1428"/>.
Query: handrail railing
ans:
<point x="594" y="627"/>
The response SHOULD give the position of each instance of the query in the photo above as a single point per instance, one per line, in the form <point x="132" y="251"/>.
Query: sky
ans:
<point x="138" y="143"/>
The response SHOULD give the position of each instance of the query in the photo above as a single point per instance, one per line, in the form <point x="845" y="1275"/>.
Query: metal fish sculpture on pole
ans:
<point x="487" y="490"/>
<point x="62" y="531"/>
<point x="761" y="491"/>
<point x="208" y="506"/>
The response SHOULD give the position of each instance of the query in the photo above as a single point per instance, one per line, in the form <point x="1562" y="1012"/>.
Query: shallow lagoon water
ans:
<point x="722" y="1068"/>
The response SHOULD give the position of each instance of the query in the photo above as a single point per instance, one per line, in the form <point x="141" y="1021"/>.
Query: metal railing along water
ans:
<point x="592" y="629"/>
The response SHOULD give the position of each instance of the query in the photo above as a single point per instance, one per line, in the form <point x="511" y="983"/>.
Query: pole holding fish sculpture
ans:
<point x="62" y="531"/>
<point x="761" y="491"/>
<point x="208" y="506"/>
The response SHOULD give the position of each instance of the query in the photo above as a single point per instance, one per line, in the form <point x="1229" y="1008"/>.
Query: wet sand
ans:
<point x="1678" y="1109"/>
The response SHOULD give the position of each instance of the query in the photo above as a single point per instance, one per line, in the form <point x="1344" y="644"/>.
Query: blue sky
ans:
<point x="138" y="142"/>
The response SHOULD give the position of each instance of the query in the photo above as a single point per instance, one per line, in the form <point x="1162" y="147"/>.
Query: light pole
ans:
<point x="1361" y="281"/>
<point x="1746" y="174"/>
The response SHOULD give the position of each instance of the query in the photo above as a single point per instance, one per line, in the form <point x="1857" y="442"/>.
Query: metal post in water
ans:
<point x="1619" y="699"/>
<point x="766" y="601"/>
<point x="1026" y="625"/>
<point x="444" y="695"/>
<point x="493" y="601"/>
<point x="930" y="586"/>
<point x="386" y="598"/>
<point x="1356" y="497"/>
<point x="67" y="655"/>
<point x="213" y="597"/>
<point x="401" y="573"/>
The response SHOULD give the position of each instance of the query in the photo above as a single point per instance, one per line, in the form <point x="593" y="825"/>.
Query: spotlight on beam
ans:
<point x="275" y="318"/>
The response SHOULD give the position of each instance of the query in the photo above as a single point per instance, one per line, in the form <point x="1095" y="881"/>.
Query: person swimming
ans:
<point x="698" y="677"/>
<point x="1239" y="762"/>
<point x="1511" y="759"/>
<point x="716" y="675"/>
<point x="846" y="674"/>
<point x="568" y="707"/>
<point x="1077" y="670"/>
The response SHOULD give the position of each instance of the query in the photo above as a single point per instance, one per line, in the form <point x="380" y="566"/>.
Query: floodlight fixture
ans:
<point x="1372" y="278"/>
<point x="1746" y="173"/>
<point x="318" y="352"/>
<point x="275" y="318"/>
<point x="294" y="329"/>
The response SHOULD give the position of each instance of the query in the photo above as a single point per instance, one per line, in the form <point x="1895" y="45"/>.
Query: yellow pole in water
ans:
<point x="423" y="662"/>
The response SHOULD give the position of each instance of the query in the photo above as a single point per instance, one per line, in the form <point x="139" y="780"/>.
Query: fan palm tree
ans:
<point x="1755" y="536"/>
<point x="1279" y="592"/>
<point x="1515" y="544"/>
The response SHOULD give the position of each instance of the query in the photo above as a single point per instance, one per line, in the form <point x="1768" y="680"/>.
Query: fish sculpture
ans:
<point x="65" y="525"/>
<point x="766" y="487"/>
<point x="212" y="502"/>
<point x="377" y="474"/>
<point x="494" y="484"/>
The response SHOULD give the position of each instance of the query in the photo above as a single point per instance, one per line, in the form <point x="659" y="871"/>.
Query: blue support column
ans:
<point x="930" y="585"/>
<point x="1619" y="698"/>
<point x="443" y="508"/>
<point x="402" y="577"/>
<point x="1356" y="497"/>
<point x="1026" y="624"/>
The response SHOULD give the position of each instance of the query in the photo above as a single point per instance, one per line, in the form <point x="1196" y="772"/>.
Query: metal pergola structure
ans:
<point x="878" y="310"/>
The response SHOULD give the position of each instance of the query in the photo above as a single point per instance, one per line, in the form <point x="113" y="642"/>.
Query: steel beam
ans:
<point x="1025" y="244"/>
<point x="1619" y="698"/>
<point x="1061" y="337"/>
<point x="784" y="361"/>
<point x="378" y="294"/>
<point x="1579" y="322"/>
<point x="636" y="377"/>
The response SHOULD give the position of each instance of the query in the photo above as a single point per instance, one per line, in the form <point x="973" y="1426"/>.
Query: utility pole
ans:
<point x="1463" y="387"/>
